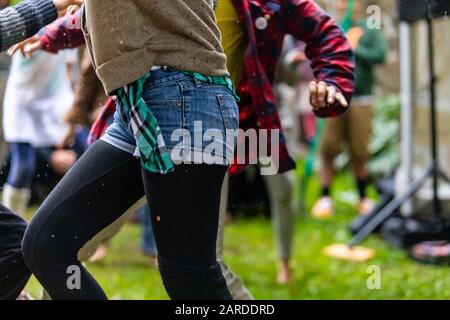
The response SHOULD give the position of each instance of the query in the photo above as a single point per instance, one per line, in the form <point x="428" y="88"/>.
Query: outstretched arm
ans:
<point x="64" y="33"/>
<point x="331" y="56"/>
<point x="27" y="18"/>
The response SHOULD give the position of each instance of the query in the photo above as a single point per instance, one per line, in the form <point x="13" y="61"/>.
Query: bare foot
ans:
<point x="99" y="254"/>
<point x="323" y="208"/>
<point x="365" y="206"/>
<point x="153" y="258"/>
<point x="154" y="261"/>
<point x="284" y="273"/>
<point x="228" y="217"/>
<point x="25" y="295"/>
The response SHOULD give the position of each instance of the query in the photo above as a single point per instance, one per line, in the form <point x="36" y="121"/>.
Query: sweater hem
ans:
<point x="132" y="66"/>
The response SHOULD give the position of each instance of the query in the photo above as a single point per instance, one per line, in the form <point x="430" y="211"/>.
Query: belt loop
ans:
<point x="197" y="82"/>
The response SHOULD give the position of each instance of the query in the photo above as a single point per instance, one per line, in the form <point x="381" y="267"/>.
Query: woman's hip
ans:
<point x="198" y="120"/>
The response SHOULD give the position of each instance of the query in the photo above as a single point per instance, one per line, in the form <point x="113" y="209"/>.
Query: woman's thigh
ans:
<point x="195" y="119"/>
<point x="102" y="185"/>
<point x="184" y="205"/>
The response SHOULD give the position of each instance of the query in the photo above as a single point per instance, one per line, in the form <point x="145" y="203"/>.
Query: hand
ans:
<point x="69" y="137"/>
<point x="64" y="4"/>
<point x="354" y="36"/>
<point x="62" y="160"/>
<point x="26" y="47"/>
<point x="295" y="56"/>
<point x="300" y="57"/>
<point x="323" y="95"/>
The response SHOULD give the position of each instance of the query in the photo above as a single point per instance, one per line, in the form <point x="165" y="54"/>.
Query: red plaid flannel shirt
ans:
<point x="332" y="61"/>
<point x="64" y="33"/>
<point x="330" y="53"/>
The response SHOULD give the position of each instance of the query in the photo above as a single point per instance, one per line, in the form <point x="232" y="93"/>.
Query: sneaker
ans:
<point x="365" y="206"/>
<point x="323" y="208"/>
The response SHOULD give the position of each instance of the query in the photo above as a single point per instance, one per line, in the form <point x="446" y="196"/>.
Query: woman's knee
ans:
<point x="34" y="244"/>
<point x="30" y="247"/>
<point x="186" y="282"/>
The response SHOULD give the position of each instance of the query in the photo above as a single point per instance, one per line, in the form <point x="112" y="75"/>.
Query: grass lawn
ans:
<point x="126" y="274"/>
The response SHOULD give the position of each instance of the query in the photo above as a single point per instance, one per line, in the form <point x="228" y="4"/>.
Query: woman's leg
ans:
<point x="102" y="185"/>
<point x="185" y="209"/>
<point x="283" y="219"/>
<point x="14" y="274"/>
<point x="235" y="284"/>
<point x="147" y="244"/>
<point x="17" y="190"/>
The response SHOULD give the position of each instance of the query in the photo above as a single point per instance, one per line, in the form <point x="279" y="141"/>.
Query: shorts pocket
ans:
<point x="168" y="94"/>
<point x="229" y="111"/>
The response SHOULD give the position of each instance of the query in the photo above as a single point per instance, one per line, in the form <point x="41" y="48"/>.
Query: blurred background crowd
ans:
<point x="276" y="230"/>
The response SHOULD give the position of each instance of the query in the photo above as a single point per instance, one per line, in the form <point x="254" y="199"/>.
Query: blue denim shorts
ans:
<point x="198" y="120"/>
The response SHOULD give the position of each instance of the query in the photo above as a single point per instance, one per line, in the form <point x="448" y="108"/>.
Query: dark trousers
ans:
<point x="14" y="274"/>
<point x="98" y="189"/>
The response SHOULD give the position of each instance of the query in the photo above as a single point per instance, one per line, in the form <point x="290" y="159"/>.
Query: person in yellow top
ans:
<point x="331" y="94"/>
<point x="234" y="43"/>
<point x="234" y="38"/>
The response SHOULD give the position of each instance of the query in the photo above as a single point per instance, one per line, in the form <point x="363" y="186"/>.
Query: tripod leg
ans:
<point x="444" y="176"/>
<point x="390" y="209"/>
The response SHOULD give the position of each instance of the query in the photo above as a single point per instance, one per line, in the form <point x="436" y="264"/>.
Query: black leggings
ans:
<point x="13" y="272"/>
<point x="100" y="187"/>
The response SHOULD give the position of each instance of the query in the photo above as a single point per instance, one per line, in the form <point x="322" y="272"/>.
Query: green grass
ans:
<point x="250" y="251"/>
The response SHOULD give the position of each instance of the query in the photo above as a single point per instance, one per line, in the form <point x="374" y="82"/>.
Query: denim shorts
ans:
<point x="198" y="120"/>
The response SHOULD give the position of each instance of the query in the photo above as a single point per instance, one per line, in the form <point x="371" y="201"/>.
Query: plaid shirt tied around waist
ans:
<point x="151" y="148"/>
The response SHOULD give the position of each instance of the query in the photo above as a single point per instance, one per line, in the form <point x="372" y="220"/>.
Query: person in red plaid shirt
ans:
<point x="265" y="24"/>
<point x="253" y="33"/>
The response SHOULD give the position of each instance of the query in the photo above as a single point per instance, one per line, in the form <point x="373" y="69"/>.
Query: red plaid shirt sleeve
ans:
<point x="103" y="120"/>
<point x="332" y="58"/>
<point x="64" y="33"/>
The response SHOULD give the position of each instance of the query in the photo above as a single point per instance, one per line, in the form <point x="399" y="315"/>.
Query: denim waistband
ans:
<point x="165" y="75"/>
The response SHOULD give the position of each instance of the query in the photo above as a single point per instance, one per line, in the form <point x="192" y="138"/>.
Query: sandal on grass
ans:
<point x="433" y="252"/>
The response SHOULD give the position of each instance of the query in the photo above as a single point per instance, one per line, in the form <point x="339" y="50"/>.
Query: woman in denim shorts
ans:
<point x="172" y="140"/>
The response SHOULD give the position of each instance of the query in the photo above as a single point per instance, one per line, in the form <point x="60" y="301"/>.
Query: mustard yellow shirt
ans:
<point x="234" y="38"/>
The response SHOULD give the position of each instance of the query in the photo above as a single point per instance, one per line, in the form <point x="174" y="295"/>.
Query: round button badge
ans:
<point x="261" y="23"/>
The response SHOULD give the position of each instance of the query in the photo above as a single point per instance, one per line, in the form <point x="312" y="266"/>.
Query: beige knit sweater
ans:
<point x="126" y="37"/>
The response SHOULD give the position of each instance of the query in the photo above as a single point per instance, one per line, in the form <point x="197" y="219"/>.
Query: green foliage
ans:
<point x="385" y="136"/>
<point x="385" y="139"/>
